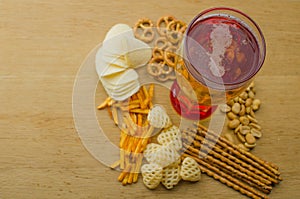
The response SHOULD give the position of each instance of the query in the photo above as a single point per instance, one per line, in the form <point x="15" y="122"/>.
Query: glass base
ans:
<point x="187" y="108"/>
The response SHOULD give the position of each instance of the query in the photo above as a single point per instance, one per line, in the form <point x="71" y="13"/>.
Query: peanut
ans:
<point x="250" y="139"/>
<point x="233" y="123"/>
<point x="236" y="108"/>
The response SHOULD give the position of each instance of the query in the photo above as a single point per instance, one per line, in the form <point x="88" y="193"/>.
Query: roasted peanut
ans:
<point x="225" y="108"/>
<point x="256" y="133"/>
<point x="236" y="108"/>
<point x="250" y="139"/>
<point x="233" y="123"/>
<point x="241" y="137"/>
<point x="244" y="120"/>
<point x="231" y="115"/>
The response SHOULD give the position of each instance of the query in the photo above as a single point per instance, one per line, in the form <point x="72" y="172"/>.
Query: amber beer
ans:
<point x="222" y="51"/>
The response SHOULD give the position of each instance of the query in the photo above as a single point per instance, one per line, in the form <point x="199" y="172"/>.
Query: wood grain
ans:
<point x="42" y="45"/>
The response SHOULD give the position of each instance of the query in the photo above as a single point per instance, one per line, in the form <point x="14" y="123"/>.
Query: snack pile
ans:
<point x="241" y="114"/>
<point x="164" y="162"/>
<point x="165" y="38"/>
<point x="173" y="154"/>
<point x="229" y="164"/>
<point x="131" y="117"/>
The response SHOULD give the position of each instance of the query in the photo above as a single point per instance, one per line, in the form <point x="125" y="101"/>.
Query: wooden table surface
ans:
<point x="42" y="45"/>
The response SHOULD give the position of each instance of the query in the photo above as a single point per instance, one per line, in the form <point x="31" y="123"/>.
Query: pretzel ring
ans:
<point x="164" y="68"/>
<point x="178" y="26"/>
<point x="143" y="30"/>
<point x="161" y="43"/>
<point x="174" y="37"/>
<point x="164" y="77"/>
<point x="162" y="24"/>
<point x="171" y="57"/>
<point x="154" y="69"/>
<point x="157" y="52"/>
<point x="155" y="65"/>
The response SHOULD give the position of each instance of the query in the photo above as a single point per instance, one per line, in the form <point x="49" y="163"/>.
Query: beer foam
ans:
<point x="221" y="39"/>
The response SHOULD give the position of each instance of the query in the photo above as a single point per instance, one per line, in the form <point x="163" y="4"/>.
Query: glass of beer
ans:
<point x="221" y="52"/>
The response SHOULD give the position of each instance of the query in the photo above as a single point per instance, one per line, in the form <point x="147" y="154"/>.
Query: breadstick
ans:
<point x="229" y="168"/>
<point x="240" y="153"/>
<point x="227" y="179"/>
<point x="250" y="155"/>
<point x="229" y="159"/>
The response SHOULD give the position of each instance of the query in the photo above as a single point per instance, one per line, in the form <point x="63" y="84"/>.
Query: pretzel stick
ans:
<point x="250" y="155"/>
<point x="229" y="168"/>
<point x="225" y="178"/>
<point x="239" y="153"/>
<point x="265" y="191"/>
<point x="198" y="140"/>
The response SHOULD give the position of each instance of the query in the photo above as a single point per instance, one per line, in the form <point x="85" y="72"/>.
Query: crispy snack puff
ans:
<point x="171" y="176"/>
<point x="161" y="155"/>
<point x="190" y="170"/>
<point x="158" y="117"/>
<point x="152" y="175"/>
<point x="170" y="136"/>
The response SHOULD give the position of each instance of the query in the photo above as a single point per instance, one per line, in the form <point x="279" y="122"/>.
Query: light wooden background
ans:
<point x="42" y="45"/>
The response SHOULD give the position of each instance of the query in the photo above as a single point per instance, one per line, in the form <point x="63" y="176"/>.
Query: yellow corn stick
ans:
<point x="139" y="159"/>
<point x="133" y="117"/>
<point x="143" y="141"/>
<point x="124" y="182"/>
<point x="141" y="99"/>
<point x="136" y="101"/>
<point x="124" y="173"/>
<point x="115" y="164"/>
<point x="134" y="145"/>
<point x="139" y="120"/>
<point x="135" y="177"/>
<point x="151" y="94"/>
<point x="123" y="138"/>
<point x="130" y="178"/>
<point x="130" y="107"/>
<point x="104" y="104"/>
<point x="122" y="159"/>
<point x="130" y="144"/>
<point x="115" y="115"/>
<point x="146" y="94"/>
<point x="141" y="111"/>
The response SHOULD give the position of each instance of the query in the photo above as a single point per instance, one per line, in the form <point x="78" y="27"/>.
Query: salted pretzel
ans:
<point x="158" y="68"/>
<point x="163" y="77"/>
<point x="143" y="30"/>
<point x="162" y="24"/>
<point x="171" y="57"/>
<point x="164" y="68"/>
<point x="161" y="43"/>
<point x="174" y="37"/>
<point x="177" y="26"/>
<point x="157" y="52"/>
